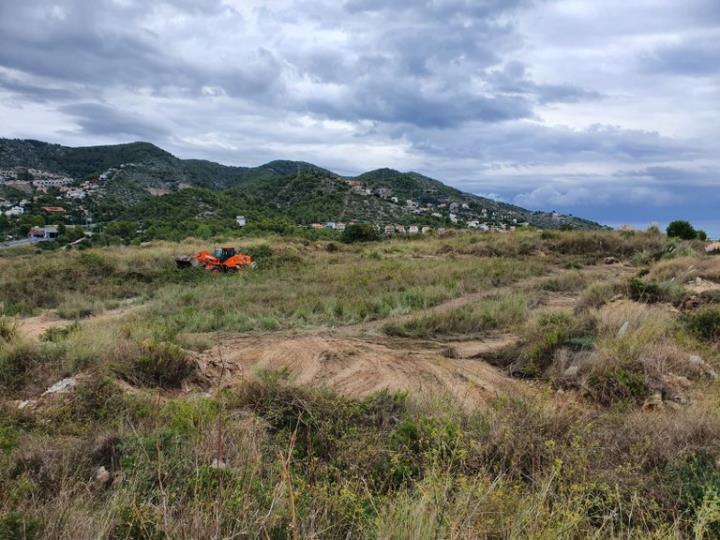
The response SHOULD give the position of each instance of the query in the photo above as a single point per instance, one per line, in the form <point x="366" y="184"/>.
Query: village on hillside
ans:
<point x="37" y="202"/>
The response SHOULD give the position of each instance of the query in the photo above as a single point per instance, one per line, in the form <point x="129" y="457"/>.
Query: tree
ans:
<point x="702" y="235"/>
<point x="681" y="229"/>
<point x="360" y="233"/>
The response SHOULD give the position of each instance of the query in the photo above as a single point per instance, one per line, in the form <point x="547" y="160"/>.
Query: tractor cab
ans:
<point x="224" y="253"/>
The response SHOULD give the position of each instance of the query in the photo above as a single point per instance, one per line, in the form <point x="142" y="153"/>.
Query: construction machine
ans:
<point x="222" y="259"/>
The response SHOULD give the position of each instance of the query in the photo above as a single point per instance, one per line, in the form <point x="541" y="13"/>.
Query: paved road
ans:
<point x="15" y="243"/>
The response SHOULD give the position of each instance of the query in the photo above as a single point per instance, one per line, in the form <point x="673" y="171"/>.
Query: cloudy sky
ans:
<point x="605" y="109"/>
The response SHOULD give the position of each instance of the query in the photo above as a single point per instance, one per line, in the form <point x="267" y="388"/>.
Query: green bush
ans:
<point x="704" y="323"/>
<point x="681" y="229"/>
<point x="360" y="233"/>
<point x="18" y="526"/>
<point x="160" y="364"/>
<point x="611" y="383"/>
<point x="651" y="293"/>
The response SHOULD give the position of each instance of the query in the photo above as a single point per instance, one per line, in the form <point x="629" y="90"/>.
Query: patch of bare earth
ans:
<point x="356" y="367"/>
<point x="35" y="327"/>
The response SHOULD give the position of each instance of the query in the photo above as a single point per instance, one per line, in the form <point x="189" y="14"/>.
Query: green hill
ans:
<point x="142" y="183"/>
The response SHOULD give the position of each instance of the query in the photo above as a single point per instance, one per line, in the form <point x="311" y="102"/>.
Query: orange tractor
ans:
<point x="222" y="259"/>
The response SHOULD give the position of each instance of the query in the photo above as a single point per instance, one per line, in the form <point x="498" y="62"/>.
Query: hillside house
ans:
<point x="240" y="220"/>
<point x="413" y="229"/>
<point x="426" y="230"/>
<point x="76" y="194"/>
<point x="454" y="207"/>
<point x="465" y="206"/>
<point x="473" y="224"/>
<point x="317" y="226"/>
<point x="330" y="225"/>
<point x="382" y="192"/>
<point x="436" y="214"/>
<point x="53" y="209"/>
<point x="15" y="211"/>
<point x="389" y="230"/>
<point x="400" y="229"/>
<point x="453" y="218"/>
<point x="395" y="200"/>
<point x="340" y="227"/>
<point x="43" y="234"/>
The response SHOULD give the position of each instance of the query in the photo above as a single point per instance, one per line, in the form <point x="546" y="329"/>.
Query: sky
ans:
<point x="608" y="109"/>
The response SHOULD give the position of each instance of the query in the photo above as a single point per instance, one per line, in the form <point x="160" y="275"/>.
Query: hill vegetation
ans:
<point x="169" y="198"/>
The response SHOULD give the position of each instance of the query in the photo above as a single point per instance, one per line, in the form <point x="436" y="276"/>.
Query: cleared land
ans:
<point x="478" y="385"/>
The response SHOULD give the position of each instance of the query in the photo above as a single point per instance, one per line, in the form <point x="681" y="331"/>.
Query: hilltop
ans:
<point x="141" y="182"/>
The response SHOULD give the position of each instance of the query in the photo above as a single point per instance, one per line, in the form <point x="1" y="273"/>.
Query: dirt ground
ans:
<point x="35" y="327"/>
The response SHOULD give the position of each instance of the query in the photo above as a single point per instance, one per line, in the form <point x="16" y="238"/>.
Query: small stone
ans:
<point x="571" y="372"/>
<point x="102" y="477"/>
<point x="655" y="401"/>
<point x="611" y="260"/>
<point x="24" y="404"/>
<point x="218" y="464"/>
<point x="61" y="387"/>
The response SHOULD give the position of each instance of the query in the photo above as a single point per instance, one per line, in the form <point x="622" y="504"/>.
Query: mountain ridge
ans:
<point x="131" y="174"/>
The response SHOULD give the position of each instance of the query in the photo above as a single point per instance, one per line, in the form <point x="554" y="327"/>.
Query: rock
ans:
<point x="571" y="372"/>
<point x="698" y="363"/>
<point x="26" y="404"/>
<point x="103" y="478"/>
<point x="611" y="260"/>
<point x="623" y="329"/>
<point x="655" y="401"/>
<point x="218" y="464"/>
<point x="61" y="387"/>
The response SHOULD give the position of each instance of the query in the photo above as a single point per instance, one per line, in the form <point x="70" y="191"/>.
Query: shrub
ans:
<point x="16" y="360"/>
<point x="681" y="229"/>
<point x="704" y="323"/>
<point x="650" y="292"/>
<point x="15" y="525"/>
<point x="8" y="329"/>
<point x="360" y="233"/>
<point x="611" y="382"/>
<point x="158" y="364"/>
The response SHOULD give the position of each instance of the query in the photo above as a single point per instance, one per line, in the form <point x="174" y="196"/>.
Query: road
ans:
<point x="15" y="243"/>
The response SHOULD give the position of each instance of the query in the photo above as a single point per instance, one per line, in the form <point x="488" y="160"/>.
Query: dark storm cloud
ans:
<point x="542" y="101"/>
<point x="101" y="120"/>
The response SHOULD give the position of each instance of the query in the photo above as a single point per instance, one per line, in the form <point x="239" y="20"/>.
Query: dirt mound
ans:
<point x="356" y="367"/>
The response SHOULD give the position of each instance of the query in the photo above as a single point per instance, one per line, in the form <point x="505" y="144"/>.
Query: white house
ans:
<point x="330" y="225"/>
<point x="473" y="224"/>
<point x="43" y="234"/>
<point x="15" y="211"/>
<point x="426" y="230"/>
<point x="340" y="227"/>
<point x="240" y="220"/>
<point x="453" y="218"/>
<point x="413" y="229"/>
